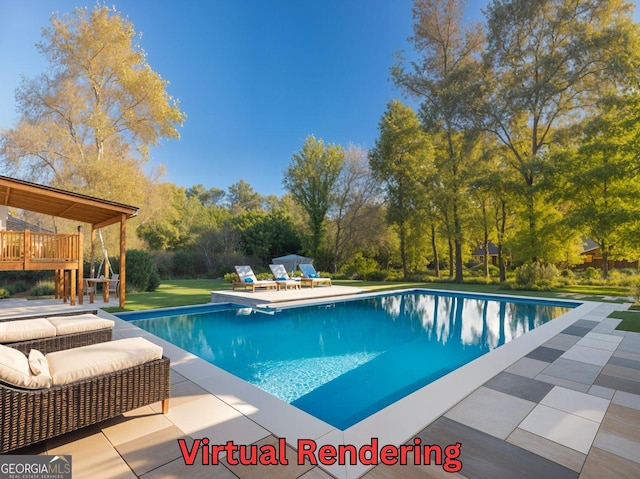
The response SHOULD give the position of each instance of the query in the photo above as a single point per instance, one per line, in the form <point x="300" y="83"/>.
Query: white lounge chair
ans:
<point x="282" y="277"/>
<point x="311" y="277"/>
<point x="246" y="279"/>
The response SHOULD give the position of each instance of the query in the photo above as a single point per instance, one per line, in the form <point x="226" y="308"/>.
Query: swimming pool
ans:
<point x="343" y="361"/>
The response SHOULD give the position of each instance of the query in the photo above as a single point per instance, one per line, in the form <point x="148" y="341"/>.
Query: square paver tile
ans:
<point x="519" y="386"/>
<point x="543" y="353"/>
<point x="564" y="383"/>
<point x="626" y="385"/>
<point x="626" y="399"/>
<point x="598" y="336"/>
<point x="601" y="392"/>
<point x="588" y="355"/>
<point x="575" y="330"/>
<point x="561" y="427"/>
<point x="216" y="420"/>
<point x="153" y="450"/>
<point x="606" y="326"/>
<point x="578" y="403"/>
<point x="621" y="372"/>
<point x="484" y="456"/>
<point x="575" y="371"/>
<point x="527" y="367"/>
<point x="601" y="464"/>
<point x="618" y="432"/>
<point x="553" y="451"/>
<point x="625" y="362"/>
<point x="589" y="324"/>
<point x="134" y="424"/>
<point x="94" y="457"/>
<point x="491" y="411"/>
<point x="562" y="341"/>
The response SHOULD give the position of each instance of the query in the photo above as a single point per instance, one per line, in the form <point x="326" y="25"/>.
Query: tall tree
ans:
<point x="444" y="81"/>
<point x="242" y="197"/>
<point x="547" y="61"/>
<point x="401" y="159"/>
<point x="355" y="215"/>
<point x="87" y="124"/>
<point x="208" y="197"/>
<point x="310" y="179"/>
<point x="98" y="110"/>
<point x="598" y="177"/>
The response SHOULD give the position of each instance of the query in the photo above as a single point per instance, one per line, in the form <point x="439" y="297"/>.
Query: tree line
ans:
<point x="519" y="130"/>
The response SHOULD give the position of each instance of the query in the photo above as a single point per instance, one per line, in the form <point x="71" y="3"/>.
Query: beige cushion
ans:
<point x="14" y="370"/>
<point x="79" y="323"/>
<point x="89" y="361"/>
<point x="38" y="363"/>
<point x="25" y="329"/>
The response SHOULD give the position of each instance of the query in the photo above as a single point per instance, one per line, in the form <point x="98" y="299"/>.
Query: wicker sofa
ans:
<point x="28" y="416"/>
<point x="63" y="341"/>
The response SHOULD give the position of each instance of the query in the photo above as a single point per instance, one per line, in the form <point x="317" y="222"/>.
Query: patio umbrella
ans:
<point x="291" y="261"/>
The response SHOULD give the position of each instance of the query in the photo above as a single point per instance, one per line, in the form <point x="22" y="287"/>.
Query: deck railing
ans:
<point x="35" y="250"/>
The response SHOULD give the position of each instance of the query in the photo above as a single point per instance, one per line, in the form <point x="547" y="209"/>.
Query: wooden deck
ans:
<point x="31" y="251"/>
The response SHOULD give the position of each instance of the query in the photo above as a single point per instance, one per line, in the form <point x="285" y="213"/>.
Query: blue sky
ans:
<point x="255" y="77"/>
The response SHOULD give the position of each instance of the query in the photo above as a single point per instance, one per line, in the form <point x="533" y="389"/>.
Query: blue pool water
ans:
<point x="344" y="361"/>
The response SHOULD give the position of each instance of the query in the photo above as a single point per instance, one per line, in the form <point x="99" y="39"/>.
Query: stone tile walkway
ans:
<point x="569" y="409"/>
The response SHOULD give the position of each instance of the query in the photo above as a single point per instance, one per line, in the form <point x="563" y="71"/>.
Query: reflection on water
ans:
<point x="343" y="361"/>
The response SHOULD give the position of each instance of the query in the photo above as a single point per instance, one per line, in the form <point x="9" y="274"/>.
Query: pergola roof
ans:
<point x="61" y="203"/>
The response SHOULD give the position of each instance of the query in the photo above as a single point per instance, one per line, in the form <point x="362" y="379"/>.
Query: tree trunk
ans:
<point x="450" y="258"/>
<point x="605" y="263"/>
<point x="403" y="255"/>
<point x="486" y="255"/>
<point x="457" y="233"/>
<point x="434" y="246"/>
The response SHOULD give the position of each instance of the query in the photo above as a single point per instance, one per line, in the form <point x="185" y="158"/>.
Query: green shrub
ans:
<point x="183" y="264"/>
<point x="634" y="288"/>
<point x="536" y="276"/>
<point x="377" y="275"/>
<point x="140" y="269"/>
<point x="231" y="277"/>
<point x="592" y="273"/>
<point x="163" y="261"/>
<point x="4" y="293"/>
<point x="19" y="286"/>
<point x="568" y="274"/>
<point x="360" y="267"/>
<point x="43" y="288"/>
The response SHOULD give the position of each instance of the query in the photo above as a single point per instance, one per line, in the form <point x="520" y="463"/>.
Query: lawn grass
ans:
<point x="630" y="320"/>
<point x="187" y="292"/>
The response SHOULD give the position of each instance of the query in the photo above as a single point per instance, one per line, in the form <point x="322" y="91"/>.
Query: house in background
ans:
<point x="592" y="255"/>
<point x="11" y="223"/>
<point x="478" y="254"/>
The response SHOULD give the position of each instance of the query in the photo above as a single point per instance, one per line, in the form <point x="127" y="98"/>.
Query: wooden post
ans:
<point x="63" y="280"/>
<point x="123" y="261"/>
<point x="56" y="284"/>
<point x="80" y="266"/>
<point x="27" y="249"/>
<point x="92" y="255"/>
<point x="72" y="287"/>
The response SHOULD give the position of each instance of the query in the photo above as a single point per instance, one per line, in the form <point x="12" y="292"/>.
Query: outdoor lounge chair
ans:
<point x="55" y="331"/>
<point x="76" y="388"/>
<point x="246" y="279"/>
<point x="282" y="277"/>
<point x="311" y="277"/>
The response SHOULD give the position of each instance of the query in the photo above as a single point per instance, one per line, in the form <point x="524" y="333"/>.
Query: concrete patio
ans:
<point x="568" y="407"/>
